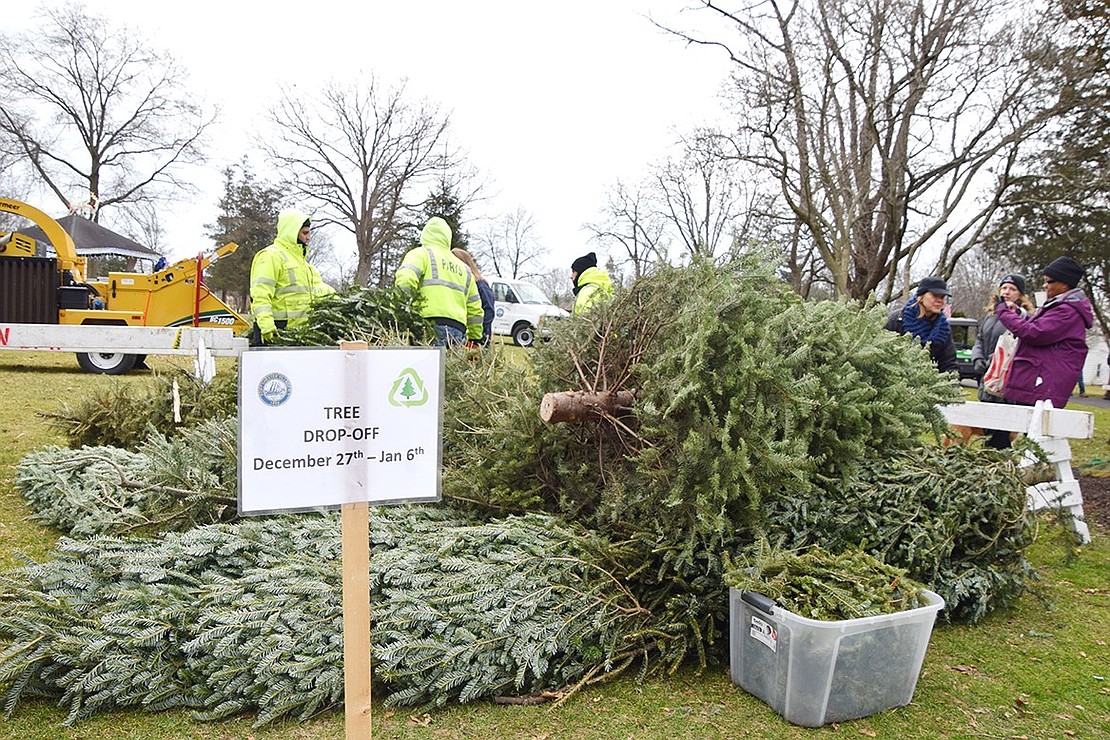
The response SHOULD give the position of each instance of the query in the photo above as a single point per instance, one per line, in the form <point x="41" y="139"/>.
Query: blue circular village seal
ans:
<point x="274" y="389"/>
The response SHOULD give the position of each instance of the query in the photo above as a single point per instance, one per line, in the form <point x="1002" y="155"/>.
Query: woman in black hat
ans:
<point x="1010" y="288"/>
<point x="923" y="317"/>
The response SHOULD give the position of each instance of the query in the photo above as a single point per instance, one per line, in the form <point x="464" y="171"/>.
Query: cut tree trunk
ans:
<point x="579" y="405"/>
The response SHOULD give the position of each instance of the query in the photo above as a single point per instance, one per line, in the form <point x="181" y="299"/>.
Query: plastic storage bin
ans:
<point x="813" y="672"/>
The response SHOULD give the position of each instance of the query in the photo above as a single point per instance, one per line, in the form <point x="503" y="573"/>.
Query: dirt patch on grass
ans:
<point x="1096" y="500"/>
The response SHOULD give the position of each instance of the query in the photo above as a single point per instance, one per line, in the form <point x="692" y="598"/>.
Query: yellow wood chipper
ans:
<point x="55" y="291"/>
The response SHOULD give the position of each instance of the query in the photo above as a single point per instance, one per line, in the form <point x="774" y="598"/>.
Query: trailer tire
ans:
<point x="106" y="363"/>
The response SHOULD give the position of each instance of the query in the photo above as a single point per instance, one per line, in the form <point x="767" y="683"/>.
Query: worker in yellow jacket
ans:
<point x="283" y="283"/>
<point x="591" y="284"/>
<point x="448" y="288"/>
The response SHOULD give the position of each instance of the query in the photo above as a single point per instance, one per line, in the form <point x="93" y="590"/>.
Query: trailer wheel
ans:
<point x="105" y="363"/>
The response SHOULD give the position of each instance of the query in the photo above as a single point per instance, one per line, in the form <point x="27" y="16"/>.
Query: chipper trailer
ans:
<point x="112" y="323"/>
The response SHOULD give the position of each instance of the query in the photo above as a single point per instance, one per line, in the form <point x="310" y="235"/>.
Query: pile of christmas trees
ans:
<point x="562" y="552"/>
<point x="756" y="414"/>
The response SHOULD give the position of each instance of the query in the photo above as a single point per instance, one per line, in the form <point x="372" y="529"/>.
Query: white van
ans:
<point x="519" y="309"/>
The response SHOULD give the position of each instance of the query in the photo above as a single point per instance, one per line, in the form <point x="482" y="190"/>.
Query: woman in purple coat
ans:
<point x="1052" y="343"/>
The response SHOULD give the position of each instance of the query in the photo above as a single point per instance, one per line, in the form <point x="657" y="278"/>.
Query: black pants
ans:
<point x="256" y="333"/>
<point x="996" y="439"/>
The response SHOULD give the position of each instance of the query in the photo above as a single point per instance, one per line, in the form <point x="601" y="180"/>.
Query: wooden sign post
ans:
<point x="358" y="719"/>
<point x="326" y="429"/>
<point x="356" y="619"/>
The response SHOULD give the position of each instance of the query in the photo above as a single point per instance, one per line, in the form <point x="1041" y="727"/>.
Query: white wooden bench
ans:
<point x="1051" y="429"/>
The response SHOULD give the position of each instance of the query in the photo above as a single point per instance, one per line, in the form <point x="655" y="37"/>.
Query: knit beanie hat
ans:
<point x="1017" y="280"/>
<point x="583" y="263"/>
<point x="1066" y="270"/>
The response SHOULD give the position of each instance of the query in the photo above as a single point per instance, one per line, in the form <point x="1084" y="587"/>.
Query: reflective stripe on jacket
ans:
<point x="443" y="280"/>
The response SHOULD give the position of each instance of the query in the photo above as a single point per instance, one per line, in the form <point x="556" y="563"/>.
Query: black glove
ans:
<point x="980" y="366"/>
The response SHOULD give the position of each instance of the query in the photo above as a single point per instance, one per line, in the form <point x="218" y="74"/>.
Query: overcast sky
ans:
<point x="553" y="102"/>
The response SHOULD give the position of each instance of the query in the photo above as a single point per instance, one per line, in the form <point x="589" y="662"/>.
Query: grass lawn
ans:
<point x="1041" y="670"/>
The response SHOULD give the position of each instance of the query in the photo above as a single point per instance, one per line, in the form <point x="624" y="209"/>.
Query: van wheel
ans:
<point x="524" y="335"/>
<point x="106" y="363"/>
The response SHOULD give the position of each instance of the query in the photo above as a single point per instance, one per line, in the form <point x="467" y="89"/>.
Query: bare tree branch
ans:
<point x="511" y="245"/>
<point x="883" y="120"/>
<point x="94" y="109"/>
<point x="361" y="152"/>
<point x="630" y="221"/>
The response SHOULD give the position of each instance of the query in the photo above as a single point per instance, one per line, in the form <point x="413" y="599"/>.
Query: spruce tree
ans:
<point x="445" y="203"/>
<point x="248" y="217"/>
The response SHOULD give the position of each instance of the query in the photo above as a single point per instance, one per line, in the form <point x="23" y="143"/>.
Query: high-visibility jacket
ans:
<point x="592" y="287"/>
<point x="283" y="283"/>
<point x="443" y="280"/>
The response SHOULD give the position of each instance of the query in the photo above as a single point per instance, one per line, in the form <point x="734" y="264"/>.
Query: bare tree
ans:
<point x="805" y="273"/>
<point x="147" y="225"/>
<point x="509" y="243"/>
<point x="12" y="185"/>
<point x="337" y="266"/>
<point x="708" y="202"/>
<point x="883" y="121"/>
<point x="362" y="152"/>
<point x="556" y="285"/>
<point x="15" y="181"/>
<point x="975" y="280"/>
<point x="1060" y="199"/>
<point x="95" y="109"/>
<point x="631" y="222"/>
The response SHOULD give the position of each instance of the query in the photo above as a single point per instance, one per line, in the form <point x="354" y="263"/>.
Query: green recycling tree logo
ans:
<point x="408" y="389"/>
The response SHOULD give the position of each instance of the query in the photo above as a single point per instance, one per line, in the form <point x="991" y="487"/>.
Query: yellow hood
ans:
<point x="289" y="224"/>
<point x="436" y="233"/>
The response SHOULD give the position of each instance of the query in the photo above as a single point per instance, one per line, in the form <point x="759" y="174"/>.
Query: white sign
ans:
<point x="325" y="427"/>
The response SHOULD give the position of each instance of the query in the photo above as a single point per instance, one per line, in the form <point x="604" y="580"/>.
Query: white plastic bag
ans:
<point x="994" y="379"/>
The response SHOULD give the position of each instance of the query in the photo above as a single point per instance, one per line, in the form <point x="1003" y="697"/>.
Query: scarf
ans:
<point x="937" y="330"/>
